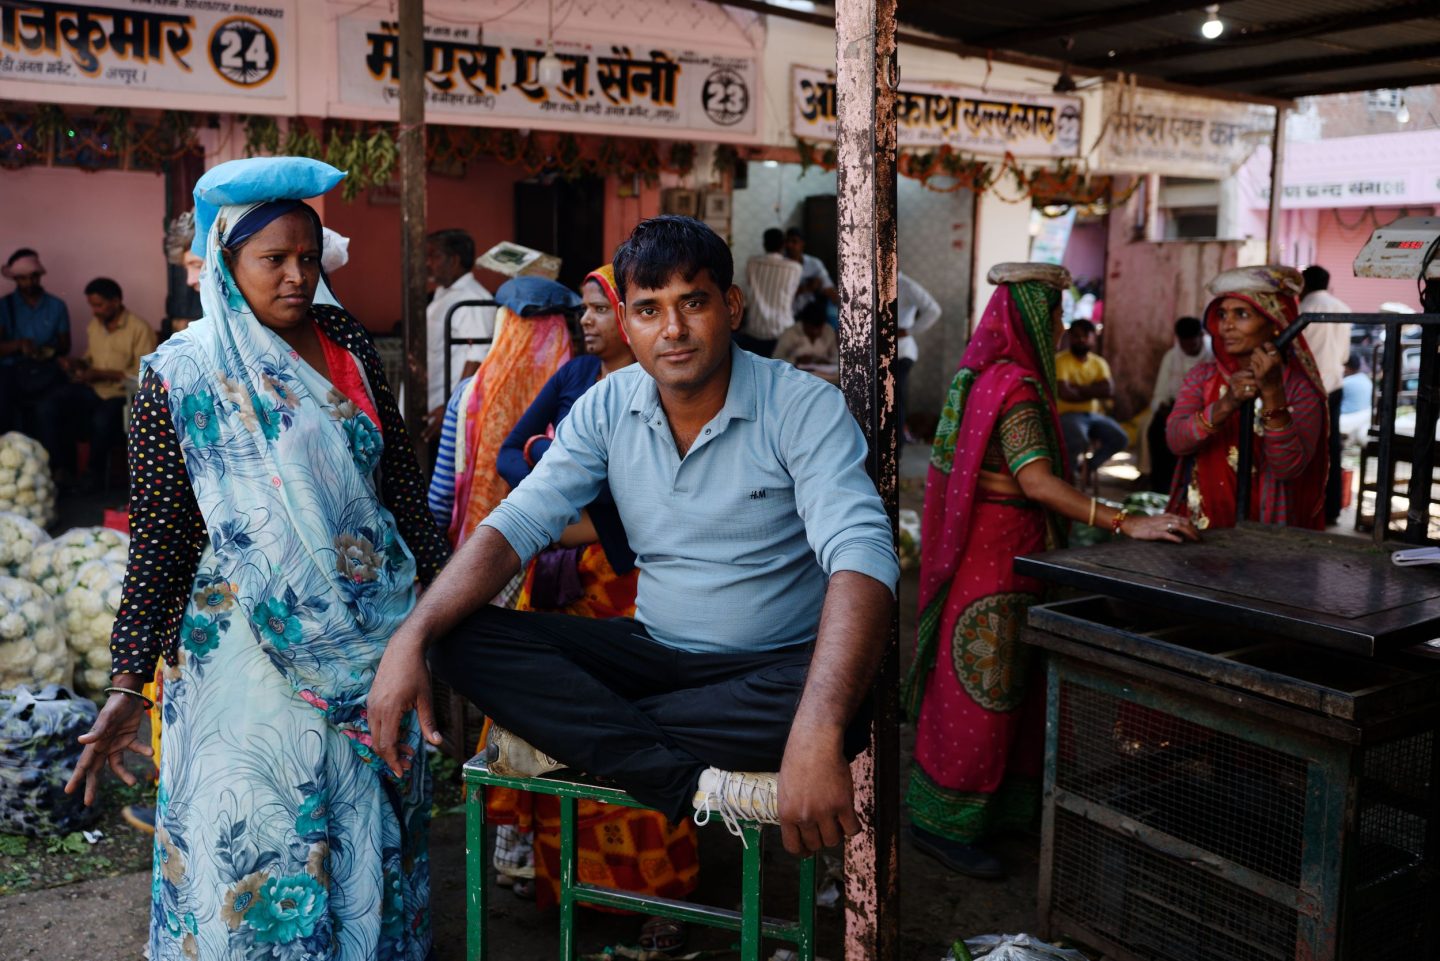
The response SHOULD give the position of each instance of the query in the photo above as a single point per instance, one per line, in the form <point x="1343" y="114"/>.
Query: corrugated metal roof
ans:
<point x="1270" y="48"/>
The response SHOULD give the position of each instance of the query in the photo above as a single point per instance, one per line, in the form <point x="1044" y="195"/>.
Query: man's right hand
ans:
<point x="402" y="684"/>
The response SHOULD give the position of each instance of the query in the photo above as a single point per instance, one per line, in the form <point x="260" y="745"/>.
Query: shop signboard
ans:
<point x="123" y="49"/>
<point x="1157" y="132"/>
<point x="969" y="119"/>
<point x="482" y="76"/>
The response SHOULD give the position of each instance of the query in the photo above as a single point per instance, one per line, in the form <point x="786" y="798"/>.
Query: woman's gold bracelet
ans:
<point x="1091" y="521"/>
<point x="129" y="693"/>
<point x="1205" y="424"/>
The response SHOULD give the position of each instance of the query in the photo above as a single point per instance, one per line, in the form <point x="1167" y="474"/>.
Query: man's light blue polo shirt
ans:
<point x="45" y="323"/>
<point x="735" y="543"/>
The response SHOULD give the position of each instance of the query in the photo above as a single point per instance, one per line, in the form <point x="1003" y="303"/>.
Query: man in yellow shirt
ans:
<point x="95" y="401"/>
<point x="1083" y="381"/>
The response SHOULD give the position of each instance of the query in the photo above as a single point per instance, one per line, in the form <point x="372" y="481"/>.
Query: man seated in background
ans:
<point x="1083" y="381"/>
<point x="1191" y="347"/>
<point x="1357" y="392"/>
<point x="93" y="404"/>
<point x="811" y="344"/>
<point x="815" y="282"/>
<point x="771" y="280"/>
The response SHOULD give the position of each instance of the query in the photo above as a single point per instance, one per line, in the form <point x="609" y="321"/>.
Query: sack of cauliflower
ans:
<point x="26" y="487"/>
<point x="19" y="536"/>
<point x="82" y="572"/>
<point x="32" y="649"/>
<point x="38" y="752"/>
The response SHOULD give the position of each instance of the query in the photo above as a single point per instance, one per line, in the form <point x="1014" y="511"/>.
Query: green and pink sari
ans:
<point x="979" y="725"/>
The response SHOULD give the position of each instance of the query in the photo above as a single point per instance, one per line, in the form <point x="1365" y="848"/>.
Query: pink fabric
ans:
<point x="1003" y="357"/>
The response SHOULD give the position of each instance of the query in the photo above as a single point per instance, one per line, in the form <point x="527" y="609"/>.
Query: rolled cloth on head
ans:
<point x="23" y="267"/>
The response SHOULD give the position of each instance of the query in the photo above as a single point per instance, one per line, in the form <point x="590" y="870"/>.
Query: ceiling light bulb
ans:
<point x="552" y="69"/>
<point x="1213" y="25"/>
<point x="1403" y="114"/>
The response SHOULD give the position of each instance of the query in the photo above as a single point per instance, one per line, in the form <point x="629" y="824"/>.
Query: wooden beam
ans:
<point x="1277" y="189"/>
<point x="1326" y="64"/>
<point x="1264" y="35"/>
<point x="412" y="215"/>
<point x="1370" y="82"/>
<point x="1069" y="26"/>
<point x="866" y="78"/>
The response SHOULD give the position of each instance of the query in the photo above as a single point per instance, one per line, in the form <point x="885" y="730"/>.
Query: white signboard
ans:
<point x="1152" y="131"/>
<point x="966" y="118"/>
<point x="175" y="46"/>
<point x="476" y="77"/>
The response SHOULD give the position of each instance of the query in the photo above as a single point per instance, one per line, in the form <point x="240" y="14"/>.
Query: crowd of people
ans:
<point x="631" y="502"/>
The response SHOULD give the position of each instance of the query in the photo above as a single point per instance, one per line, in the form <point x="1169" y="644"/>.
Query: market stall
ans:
<point x="1243" y="749"/>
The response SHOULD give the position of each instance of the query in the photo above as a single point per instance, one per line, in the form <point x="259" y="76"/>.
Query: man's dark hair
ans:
<point x="774" y="240"/>
<point x="1082" y="326"/>
<point x="797" y="233"/>
<point x="664" y="247"/>
<point x="1353" y="361"/>
<point x="1316" y="278"/>
<point x="1187" y="327"/>
<point x="22" y="252"/>
<point x="455" y="243"/>
<point x="104" y="287"/>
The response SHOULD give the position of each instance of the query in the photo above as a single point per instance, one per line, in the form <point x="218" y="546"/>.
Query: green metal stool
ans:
<point x="753" y="927"/>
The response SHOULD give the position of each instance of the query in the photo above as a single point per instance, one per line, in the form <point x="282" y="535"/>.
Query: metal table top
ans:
<point x="1338" y="592"/>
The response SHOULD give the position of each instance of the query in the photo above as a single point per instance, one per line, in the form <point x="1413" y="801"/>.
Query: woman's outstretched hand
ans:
<point x="1161" y="527"/>
<point x="112" y="734"/>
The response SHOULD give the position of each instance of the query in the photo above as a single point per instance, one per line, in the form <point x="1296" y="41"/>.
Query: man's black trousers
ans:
<point x="603" y="697"/>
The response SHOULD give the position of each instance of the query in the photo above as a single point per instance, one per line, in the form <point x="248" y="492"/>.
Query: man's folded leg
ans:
<point x="568" y="686"/>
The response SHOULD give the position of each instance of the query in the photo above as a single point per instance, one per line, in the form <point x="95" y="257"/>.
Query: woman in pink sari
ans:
<point x="996" y="489"/>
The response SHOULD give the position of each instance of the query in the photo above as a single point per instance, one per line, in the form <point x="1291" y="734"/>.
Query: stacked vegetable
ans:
<point x="19" y="536"/>
<point x="26" y="487"/>
<point x="82" y="571"/>
<point x="32" y="649"/>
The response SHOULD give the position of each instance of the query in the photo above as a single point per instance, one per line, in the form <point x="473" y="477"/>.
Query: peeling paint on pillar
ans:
<point x="865" y="78"/>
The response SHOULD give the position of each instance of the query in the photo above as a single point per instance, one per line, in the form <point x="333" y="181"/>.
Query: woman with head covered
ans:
<point x="279" y="532"/>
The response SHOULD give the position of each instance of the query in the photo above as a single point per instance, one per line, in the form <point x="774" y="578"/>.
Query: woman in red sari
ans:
<point x="1251" y="306"/>
<point x="996" y="489"/>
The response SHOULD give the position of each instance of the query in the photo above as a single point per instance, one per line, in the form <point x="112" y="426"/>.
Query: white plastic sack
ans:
<point x="89" y="608"/>
<point x="19" y="536"/>
<point x="1015" y="947"/>
<point x="26" y="487"/>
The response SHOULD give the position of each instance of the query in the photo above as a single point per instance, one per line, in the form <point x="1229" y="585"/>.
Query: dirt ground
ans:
<point x="106" y="917"/>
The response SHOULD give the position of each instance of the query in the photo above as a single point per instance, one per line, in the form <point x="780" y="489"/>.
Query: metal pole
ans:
<point x="412" y="213"/>
<point x="1385" y="461"/>
<point x="1277" y="187"/>
<point x="1422" y="456"/>
<point x="866" y="75"/>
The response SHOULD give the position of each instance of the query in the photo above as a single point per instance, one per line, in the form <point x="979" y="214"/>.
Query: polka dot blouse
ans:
<point x="168" y="532"/>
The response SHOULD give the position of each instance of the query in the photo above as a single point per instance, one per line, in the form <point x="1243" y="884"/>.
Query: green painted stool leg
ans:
<point x="476" y="881"/>
<point x="805" y="914"/>
<point x="567" y="879"/>
<point x="750" y="903"/>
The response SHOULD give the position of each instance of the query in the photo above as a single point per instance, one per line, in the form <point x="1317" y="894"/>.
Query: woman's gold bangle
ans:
<point x="1093" y="505"/>
<point x="1205" y="424"/>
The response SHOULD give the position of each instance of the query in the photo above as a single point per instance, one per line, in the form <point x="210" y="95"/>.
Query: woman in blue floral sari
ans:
<point x="278" y="533"/>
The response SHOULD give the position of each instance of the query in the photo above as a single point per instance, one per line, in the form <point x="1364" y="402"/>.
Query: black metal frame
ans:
<point x="451" y="341"/>
<point x="1427" y="407"/>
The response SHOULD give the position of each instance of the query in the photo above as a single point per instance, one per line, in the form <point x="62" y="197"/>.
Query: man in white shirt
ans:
<point x="1191" y="347"/>
<point x="815" y="280"/>
<point x="450" y="258"/>
<point x="1330" y="343"/>
<point x="916" y="312"/>
<point x="772" y="280"/>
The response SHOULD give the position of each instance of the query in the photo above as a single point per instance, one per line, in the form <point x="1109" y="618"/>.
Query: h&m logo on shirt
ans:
<point x="757" y="495"/>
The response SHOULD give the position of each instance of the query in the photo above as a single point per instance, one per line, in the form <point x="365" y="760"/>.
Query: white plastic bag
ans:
<point x="1014" y="947"/>
<point x="32" y="650"/>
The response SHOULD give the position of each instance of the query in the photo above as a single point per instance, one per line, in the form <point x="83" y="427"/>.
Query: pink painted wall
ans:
<point x="1085" y="253"/>
<point x="88" y="225"/>
<point x="1147" y="286"/>
<point x="623" y="213"/>
<point x="482" y="202"/>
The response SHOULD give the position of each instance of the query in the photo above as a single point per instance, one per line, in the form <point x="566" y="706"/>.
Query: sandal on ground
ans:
<point x="662" y="935"/>
<point x="967" y="859"/>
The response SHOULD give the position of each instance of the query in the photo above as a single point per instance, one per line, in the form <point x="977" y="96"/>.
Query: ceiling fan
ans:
<point x="1066" y="83"/>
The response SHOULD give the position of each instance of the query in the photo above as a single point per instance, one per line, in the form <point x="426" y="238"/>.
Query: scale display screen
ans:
<point x="1405" y="245"/>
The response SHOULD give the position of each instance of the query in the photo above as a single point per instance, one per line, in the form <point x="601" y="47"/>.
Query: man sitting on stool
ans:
<point x="1083" y="381"/>
<point x="741" y="485"/>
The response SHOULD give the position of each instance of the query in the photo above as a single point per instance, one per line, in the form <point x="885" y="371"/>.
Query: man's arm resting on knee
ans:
<point x="817" y="799"/>
<point x="477" y="572"/>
